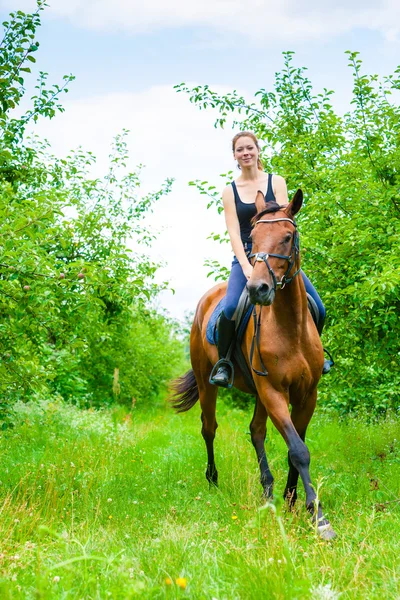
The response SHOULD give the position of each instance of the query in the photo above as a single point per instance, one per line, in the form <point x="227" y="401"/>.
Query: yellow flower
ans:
<point x="181" y="582"/>
<point x="168" y="581"/>
<point x="110" y="517"/>
<point x="234" y="517"/>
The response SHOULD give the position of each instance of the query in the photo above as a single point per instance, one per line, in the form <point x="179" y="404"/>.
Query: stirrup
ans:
<point x="227" y="362"/>
<point x="328" y="364"/>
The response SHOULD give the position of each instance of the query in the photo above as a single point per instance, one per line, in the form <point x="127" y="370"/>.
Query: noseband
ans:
<point x="263" y="256"/>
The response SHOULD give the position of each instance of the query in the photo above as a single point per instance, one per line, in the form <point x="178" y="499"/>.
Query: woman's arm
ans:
<point x="233" y="227"/>
<point x="280" y="190"/>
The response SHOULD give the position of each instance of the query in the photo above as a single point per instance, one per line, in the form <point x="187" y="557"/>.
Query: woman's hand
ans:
<point x="247" y="270"/>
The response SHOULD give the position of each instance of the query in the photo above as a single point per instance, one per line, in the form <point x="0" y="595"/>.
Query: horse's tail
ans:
<point x="185" y="392"/>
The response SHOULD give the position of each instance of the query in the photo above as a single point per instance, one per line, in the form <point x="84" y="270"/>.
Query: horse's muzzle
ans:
<point x="260" y="293"/>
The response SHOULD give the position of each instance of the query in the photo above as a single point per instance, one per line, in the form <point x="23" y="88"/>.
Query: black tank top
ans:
<point x="246" y="211"/>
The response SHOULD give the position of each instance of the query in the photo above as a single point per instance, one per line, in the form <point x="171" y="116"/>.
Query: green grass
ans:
<point x="109" y="505"/>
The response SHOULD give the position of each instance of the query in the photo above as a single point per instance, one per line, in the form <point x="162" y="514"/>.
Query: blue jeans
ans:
<point x="237" y="281"/>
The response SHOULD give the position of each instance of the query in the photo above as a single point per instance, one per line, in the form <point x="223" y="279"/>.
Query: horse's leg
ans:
<point x="258" y="429"/>
<point x="301" y="416"/>
<point x="290" y="493"/>
<point x="300" y="419"/>
<point x="208" y="399"/>
<point x="207" y="395"/>
<point x="277" y="407"/>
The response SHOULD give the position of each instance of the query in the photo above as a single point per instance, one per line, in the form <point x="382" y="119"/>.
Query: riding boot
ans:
<point x="224" y="373"/>
<point x="328" y="362"/>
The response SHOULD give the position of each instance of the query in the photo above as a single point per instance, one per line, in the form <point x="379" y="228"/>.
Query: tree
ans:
<point x="76" y="284"/>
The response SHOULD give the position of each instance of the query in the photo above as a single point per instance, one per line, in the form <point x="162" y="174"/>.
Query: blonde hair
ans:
<point x="251" y="135"/>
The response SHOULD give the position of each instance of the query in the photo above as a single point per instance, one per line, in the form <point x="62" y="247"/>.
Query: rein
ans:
<point x="263" y="257"/>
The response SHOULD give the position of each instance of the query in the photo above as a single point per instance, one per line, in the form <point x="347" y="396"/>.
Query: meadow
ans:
<point x="114" y="504"/>
<point x="110" y="503"/>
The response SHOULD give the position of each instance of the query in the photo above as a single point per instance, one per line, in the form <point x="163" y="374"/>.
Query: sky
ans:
<point x="127" y="55"/>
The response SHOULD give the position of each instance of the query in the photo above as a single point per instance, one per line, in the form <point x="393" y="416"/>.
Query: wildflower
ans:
<point x="110" y="517"/>
<point x="234" y="517"/>
<point x="56" y="579"/>
<point x="325" y="592"/>
<point x="168" y="581"/>
<point x="181" y="582"/>
<point x="109" y="499"/>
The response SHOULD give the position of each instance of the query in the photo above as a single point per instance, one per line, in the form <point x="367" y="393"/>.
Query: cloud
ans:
<point x="261" y="20"/>
<point x="173" y="139"/>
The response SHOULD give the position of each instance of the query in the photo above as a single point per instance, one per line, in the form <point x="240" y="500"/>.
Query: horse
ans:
<point x="288" y="350"/>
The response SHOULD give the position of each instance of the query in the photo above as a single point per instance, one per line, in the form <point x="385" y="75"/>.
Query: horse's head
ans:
<point x="275" y="252"/>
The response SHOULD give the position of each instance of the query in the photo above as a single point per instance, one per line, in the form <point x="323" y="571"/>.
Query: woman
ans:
<point x="239" y="206"/>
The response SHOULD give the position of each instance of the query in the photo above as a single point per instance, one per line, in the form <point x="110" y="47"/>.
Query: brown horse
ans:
<point x="289" y="347"/>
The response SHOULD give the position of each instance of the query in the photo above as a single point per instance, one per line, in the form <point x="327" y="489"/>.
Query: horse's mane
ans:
<point x="272" y="207"/>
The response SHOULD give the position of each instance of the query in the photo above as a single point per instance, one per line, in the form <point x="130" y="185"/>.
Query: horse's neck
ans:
<point x="290" y="304"/>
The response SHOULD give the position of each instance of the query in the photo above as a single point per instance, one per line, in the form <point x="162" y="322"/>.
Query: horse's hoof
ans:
<point x="267" y="497"/>
<point x="290" y="499"/>
<point x="326" y="532"/>
<point x="212" y="477"/>
<point x="268" y="492"/>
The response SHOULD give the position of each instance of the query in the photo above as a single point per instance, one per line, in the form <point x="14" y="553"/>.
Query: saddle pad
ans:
<point x="212" y="331"/>
<point x="212" y="326"/>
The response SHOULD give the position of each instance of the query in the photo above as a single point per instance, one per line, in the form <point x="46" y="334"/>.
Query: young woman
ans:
<point x="239" y="206"/>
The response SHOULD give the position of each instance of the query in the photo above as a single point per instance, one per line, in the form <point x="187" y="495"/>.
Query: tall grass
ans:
<point x="116" y="505"/>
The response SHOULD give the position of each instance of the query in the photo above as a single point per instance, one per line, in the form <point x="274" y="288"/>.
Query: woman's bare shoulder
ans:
<point x="279" y="180"/>
<point x="227" y="193"/>
<point x="280" y="190"/>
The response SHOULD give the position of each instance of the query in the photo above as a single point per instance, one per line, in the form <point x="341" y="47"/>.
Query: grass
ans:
<point x="114" y="505"/>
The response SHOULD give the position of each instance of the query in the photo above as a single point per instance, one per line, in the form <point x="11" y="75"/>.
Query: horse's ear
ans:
<point x="260" y="202"/>
<point x="295" y="205"/>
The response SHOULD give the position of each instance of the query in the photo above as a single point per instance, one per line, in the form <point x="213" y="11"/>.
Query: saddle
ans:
<point x="243" y="313"/>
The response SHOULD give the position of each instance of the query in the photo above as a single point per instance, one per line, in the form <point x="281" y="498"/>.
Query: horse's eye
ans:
<point x="287" y="238"/>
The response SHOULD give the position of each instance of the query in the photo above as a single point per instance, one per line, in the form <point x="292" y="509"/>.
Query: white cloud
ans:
<point x="261" y="20"/>
<point x="173" y="139"/>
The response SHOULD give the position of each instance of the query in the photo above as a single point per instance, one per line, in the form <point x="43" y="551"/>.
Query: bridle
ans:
<point x="291" y="258"/>
<point x="263" y="257"/>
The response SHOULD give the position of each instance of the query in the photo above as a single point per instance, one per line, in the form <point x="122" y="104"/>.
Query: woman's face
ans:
<point x="246" y="152"/>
